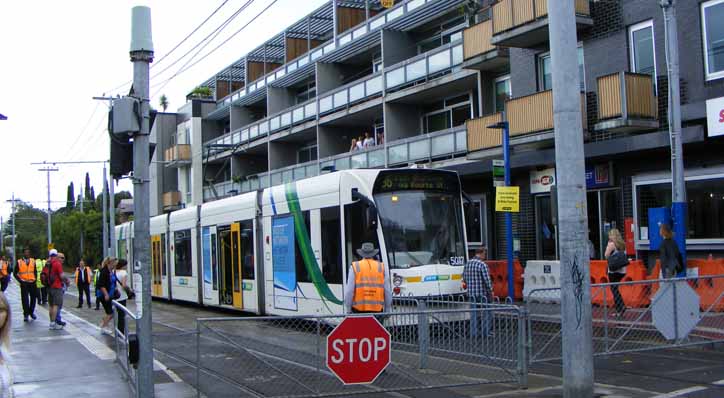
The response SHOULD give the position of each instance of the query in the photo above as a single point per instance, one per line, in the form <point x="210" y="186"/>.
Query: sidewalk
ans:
<point x="60" y="363"/>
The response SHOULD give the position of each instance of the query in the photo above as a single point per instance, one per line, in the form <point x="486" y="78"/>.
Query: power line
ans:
<point x="185" y="68"/>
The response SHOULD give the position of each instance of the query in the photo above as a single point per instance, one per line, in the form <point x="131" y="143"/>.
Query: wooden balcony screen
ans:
<point x="476" y="39"/>
<point x="508" y="14"/>
<point x="639" y="100"/>
<point x="482" y="137"/>
<point x="534" y="113"/>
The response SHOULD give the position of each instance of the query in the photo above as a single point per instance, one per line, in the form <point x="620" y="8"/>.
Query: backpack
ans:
<point x="46" y="278"/>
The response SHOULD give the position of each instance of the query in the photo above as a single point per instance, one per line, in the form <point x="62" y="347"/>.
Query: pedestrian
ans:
<point x="83" y="282"/>
<point x="124" y="290"/>
<point x="4" y="273"/>
<point x="106" y="290"/>
<point x="360" y="143"/>
<point x="58" y="317"/>
<point x="96" y="274"/>
<point x="42" y="290"/>
<point x="368" y="284"/>
<point x="368" y="142"/>
<point x="380" y="139"/>
<point x="353" y="147"/>
<point x="25" y="275"/>
<point x="476" y="277"/>
<point x="56" y="278"/>
<point x="670" y="257"/>
<point x="615" y="262"/>
<point x="6" y="377"/>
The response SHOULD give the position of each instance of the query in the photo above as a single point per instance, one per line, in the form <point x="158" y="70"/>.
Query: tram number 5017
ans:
<point x="458" y="260"/>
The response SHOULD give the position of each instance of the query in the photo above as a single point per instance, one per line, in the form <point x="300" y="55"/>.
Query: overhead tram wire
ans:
<point x="205" y="41"/>
<point x="184" y="69"/>
<point x="84" y="130"/>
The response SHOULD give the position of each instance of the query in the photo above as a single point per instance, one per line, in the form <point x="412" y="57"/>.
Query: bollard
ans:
<point x="423" y="333"/>
<point x="522" y="348"/>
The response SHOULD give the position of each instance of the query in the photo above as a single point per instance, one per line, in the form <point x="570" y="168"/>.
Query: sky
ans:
<point x="56" y="55"/>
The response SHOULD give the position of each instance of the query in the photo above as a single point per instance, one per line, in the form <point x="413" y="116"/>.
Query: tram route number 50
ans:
<point x="358" y="350"/>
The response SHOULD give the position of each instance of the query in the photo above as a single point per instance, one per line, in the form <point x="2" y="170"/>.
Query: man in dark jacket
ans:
<point x="669" y="255"/>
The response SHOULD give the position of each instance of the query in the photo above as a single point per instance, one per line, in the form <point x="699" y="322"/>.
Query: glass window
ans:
<point x="437" y="121"/>
<point x="502" y="92"/>
<point x="163" y="254"/>
<point x="706" y="205"/>
<point x="356" y="232"/>
<point x="247" y="249"/>
<point x="301" y="269"/>
<point x="214" y="265"/>
<point x="545" y="78"/>
<point x="641" y="43"/>
<point x="182" y="254"/>
<point x="711" y="12"/>
<point x="331" y="245"/>
<point x="473" y="221"/>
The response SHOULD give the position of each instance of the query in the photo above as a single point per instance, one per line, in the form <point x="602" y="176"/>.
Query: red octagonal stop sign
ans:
<point x="358" y="350"/>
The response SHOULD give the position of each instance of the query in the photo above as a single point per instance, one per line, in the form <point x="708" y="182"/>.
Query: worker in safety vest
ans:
<point x="368" y="284"/>
<point x="42" y="290"/>
<point x="25" y="274"/>
<point x="4" y="273"/>
<point x="83" y="282"/>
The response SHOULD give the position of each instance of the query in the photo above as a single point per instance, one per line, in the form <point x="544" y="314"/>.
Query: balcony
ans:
<point x="368" y="159"/>
<point x="424" y="66"/>
<point x="482" y="137"/>
<point x="524" y="23"/>
<point x="178" y="155"/>
<point x="171" y="200"/>
<point x="478" y="51"/>
<point x="294" y="173"/>
<point x="626" y="103"/>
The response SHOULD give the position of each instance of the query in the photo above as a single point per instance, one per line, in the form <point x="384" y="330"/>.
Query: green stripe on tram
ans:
<point x="305" y="246"/>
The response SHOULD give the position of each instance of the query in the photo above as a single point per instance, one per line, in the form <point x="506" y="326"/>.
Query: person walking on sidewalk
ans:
<point x="56" y="278"/>
<point x="672" y="262"/>
<point x="107" y="291"/>
<point x="6" y="377"/>
<point x="124" y="290"/>
<point x="4" y="273"/>
<point x="616" y="247"/>
<point x="25" y="275"/>
<point x="476" y="276"/>
<point x="42" y="290"/>
<point x="58" y="317"/>
<point x="96" y="274"/>
<point x="83" y="281"/>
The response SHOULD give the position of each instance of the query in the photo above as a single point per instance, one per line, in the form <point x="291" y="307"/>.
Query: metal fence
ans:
<point x="286" y="356"/>
<point x="120" y="338"/>
<point x="634" y="316"/>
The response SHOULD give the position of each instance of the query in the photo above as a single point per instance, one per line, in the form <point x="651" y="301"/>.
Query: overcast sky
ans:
<point x="56" y="55"/>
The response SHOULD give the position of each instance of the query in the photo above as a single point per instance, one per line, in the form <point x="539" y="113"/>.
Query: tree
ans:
<point x="93" y="193"/>
<point x="30" y="229"/>
<point x="87" y="192"/>
<point x="163" y="101"/>
<point x="70" y="201"/>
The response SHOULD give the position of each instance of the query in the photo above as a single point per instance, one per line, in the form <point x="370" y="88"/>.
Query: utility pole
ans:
<point x="678" y="184"/>
<point x="50" y="228"/>
<point x="576" y="330"/>
<point x="141" y="56"/>
<point x="2" y="235"/>
<point x="112" y="219"/>
<point x="15" y="260"/>
<point x="82" y="229"/>
<point x="105" y="213"/>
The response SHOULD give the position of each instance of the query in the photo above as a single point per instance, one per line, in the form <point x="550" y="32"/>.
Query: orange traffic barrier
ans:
<point x="634" y="296"/>
<point x="499" y="277"/>
<point x="711" y="290"/>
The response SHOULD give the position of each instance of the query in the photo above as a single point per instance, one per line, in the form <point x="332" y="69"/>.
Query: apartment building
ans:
<point x="421" y="82"/>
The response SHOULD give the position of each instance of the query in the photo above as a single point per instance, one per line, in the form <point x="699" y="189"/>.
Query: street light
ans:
<point x="503" y="125"/>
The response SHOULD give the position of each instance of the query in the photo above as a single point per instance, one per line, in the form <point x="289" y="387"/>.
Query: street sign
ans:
<point x="507" y="199"/>
<point x="51" y="246"/>
<point x="676" y="316"/>
<point x="498" y="172"/>
<point x="358" y="350"/>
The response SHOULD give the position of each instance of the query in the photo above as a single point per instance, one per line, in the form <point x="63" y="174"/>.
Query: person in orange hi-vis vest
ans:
<point x="4" y="273"/>
<point x="83" y="281"/>
<point x="368" y="284"/>
<point x="24" y="273"/>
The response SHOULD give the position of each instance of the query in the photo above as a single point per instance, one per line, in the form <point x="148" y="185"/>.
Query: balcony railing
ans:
<point x="368" y="159"/>
<point x="626" y="100"/>
<point x="476" y="39"/>
<point x="482" y="137"/>
<point x="509" y="14"/>
<point x="351" y="93"/>
<point x="171" y="199"/>
<point x="534" y="113"/>
<point x="427" y="147"/>
<point x="178" y="155"/>
<point x="294" y="172"/>
<point x="422" y="66"/>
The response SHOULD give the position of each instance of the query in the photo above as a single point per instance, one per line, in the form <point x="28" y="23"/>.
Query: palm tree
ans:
<point x="163" y="102"/>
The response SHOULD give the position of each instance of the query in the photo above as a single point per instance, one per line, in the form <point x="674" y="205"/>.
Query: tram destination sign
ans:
<point x="417" y="180"/>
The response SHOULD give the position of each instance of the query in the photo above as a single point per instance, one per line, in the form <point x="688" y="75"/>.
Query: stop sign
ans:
<point x="358" y="350"/>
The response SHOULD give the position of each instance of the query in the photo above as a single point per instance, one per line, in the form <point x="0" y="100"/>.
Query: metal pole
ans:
<point x="50" y="228"/>
<point x="141" y="56"/>
<point x="15" y="260"/>
<point x="82" y="243"/>
<point x="2" y="236"/>
<point x="678" y="185"/>
<point x="508" y="215"/>
<point x="105" y="214"/>
<point x="577" y="350"/>
<point x="112" y="218"/>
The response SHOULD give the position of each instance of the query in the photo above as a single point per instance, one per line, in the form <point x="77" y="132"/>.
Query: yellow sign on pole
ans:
<point x="507" y="199"/>
<point x="51" y="246"/>
<point x="388" y="3"/>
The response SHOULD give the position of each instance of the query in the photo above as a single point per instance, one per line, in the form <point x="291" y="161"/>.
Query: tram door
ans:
<point x="156" y="263"/>
<point x="230" y="265"/>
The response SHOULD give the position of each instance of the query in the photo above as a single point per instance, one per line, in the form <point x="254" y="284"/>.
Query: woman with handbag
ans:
<point x="125" y="292"/>
<point x="617" y="262"/>
<point x="107" y="291"/>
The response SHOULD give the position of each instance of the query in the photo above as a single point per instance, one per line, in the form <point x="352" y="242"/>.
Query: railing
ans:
<point x="294" y="172"/>
<point x="626" y="95"/>
<point x="427" y="147"/>
<point x="534" y="113"/>
<point x="367" y="159"/>
<point x="476" y="39"/>
<point x="179" y="152"/>
<point x="422" y="66"/>
<point x="328" y="47"/>
<point x="351" y="93"/>
<point x="509" y="14"/>
<point x="482" y="137"/>
<point x="122" y="344"/>
<point x="171" y="198"/>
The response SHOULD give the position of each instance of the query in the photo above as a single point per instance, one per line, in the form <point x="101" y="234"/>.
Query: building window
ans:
<point x="307" y="153"/>
<point x="448" y="113"/>
<point x="711" y="12"/>
<point x="545" y="77"/>
<point x="706" y="205"/>
<point x="641" y="43"/>
<point x="182" y="253"/>
<point x="502" y="92"/>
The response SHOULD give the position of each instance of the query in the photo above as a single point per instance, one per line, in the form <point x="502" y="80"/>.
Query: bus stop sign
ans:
<point x="358" y="350"/>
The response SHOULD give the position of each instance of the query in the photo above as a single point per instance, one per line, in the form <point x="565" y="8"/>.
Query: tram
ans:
<point x="285" y="250"/>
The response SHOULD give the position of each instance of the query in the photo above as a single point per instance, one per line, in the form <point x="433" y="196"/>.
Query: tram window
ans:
<point x="163" y="254"/>
<point x="302" y="274"/>
<point x="214" y="266"/>
<point x="357" y="231"/>
<point x="331" y="245"/>
<point x="182" y="244"/>
<point x="247" y="249"/>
